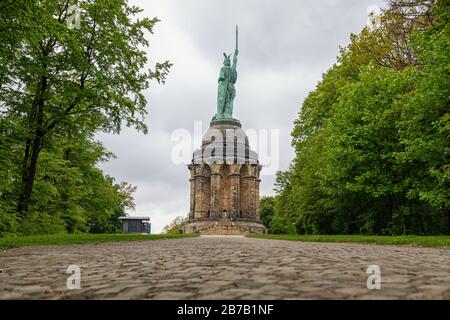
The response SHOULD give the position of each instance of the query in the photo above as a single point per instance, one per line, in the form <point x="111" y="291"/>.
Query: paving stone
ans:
<point x="224" y="267"/>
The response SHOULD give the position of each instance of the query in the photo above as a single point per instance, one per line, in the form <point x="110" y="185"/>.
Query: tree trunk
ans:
<point x="26" y="160"/>
<point x="30" y="175"/>
<point x="32" y="150"/>
<point x="448" y="222"/>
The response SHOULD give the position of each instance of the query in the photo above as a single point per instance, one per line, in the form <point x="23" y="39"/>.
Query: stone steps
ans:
<point x="224" y="227"/>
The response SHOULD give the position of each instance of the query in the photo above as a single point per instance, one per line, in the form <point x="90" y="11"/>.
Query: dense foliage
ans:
<point x="267" y="210"/>
<point x="176" y="226"/>
<point x="60" y="84"/>
<point x="372" y="140"/>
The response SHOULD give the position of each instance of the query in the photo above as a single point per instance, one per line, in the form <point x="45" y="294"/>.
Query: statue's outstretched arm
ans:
<point x="236" y="52"/>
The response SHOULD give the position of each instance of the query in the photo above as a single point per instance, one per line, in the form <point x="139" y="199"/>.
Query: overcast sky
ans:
<point x="285" y="46"/>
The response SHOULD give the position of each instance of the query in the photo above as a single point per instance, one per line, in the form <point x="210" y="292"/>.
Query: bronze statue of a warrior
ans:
<point x="226" y="90"/>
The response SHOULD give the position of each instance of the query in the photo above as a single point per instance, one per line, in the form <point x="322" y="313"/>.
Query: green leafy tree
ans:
<point x="69" y="79"/>
<point x="372" y="140"/>
<point x="176" y="226"/>
<point x="59" y="86"/>
<point x="267" y="209"/>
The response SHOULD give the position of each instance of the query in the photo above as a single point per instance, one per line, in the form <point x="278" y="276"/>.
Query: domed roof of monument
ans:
<point x="225" y="132"/>
<point x="225" y="141"/>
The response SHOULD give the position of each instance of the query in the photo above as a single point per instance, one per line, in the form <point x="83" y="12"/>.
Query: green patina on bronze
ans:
<point x="226" y="90"/>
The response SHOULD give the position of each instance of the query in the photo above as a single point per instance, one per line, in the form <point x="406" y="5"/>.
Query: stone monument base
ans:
<point x="226" y="121"/>
<point x="224" y="227"/>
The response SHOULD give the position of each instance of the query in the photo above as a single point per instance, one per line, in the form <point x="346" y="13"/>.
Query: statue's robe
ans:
<point x="226" y="91"/>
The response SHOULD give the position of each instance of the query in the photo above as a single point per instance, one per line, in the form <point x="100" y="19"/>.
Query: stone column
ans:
<point x="198" y="198"/>
<point x="201" y="192"/>
<point x="216" y="181"/>
<point x="252" y="193"/>
<point x="257" y="194"/>
<point x="257" y="198"/>
<point x="192" y="199"/>
<point x="235" y="190"/>
<point x="192" y="191"/>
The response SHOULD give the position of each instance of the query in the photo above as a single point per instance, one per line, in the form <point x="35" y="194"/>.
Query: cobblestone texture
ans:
<point x="225" y="267"/>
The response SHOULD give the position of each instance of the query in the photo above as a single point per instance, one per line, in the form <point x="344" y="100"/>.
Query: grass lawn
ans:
<point x="429" y="241"/>
<point x="61" y="239"/>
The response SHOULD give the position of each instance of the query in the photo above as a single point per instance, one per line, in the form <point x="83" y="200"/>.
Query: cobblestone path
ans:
<point x="219" y="267"/>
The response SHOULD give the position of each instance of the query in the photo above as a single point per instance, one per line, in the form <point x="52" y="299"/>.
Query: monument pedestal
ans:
<point x="225" y="121"/>
<point x="224" y="183"/>
<point x="224" y="227"/>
